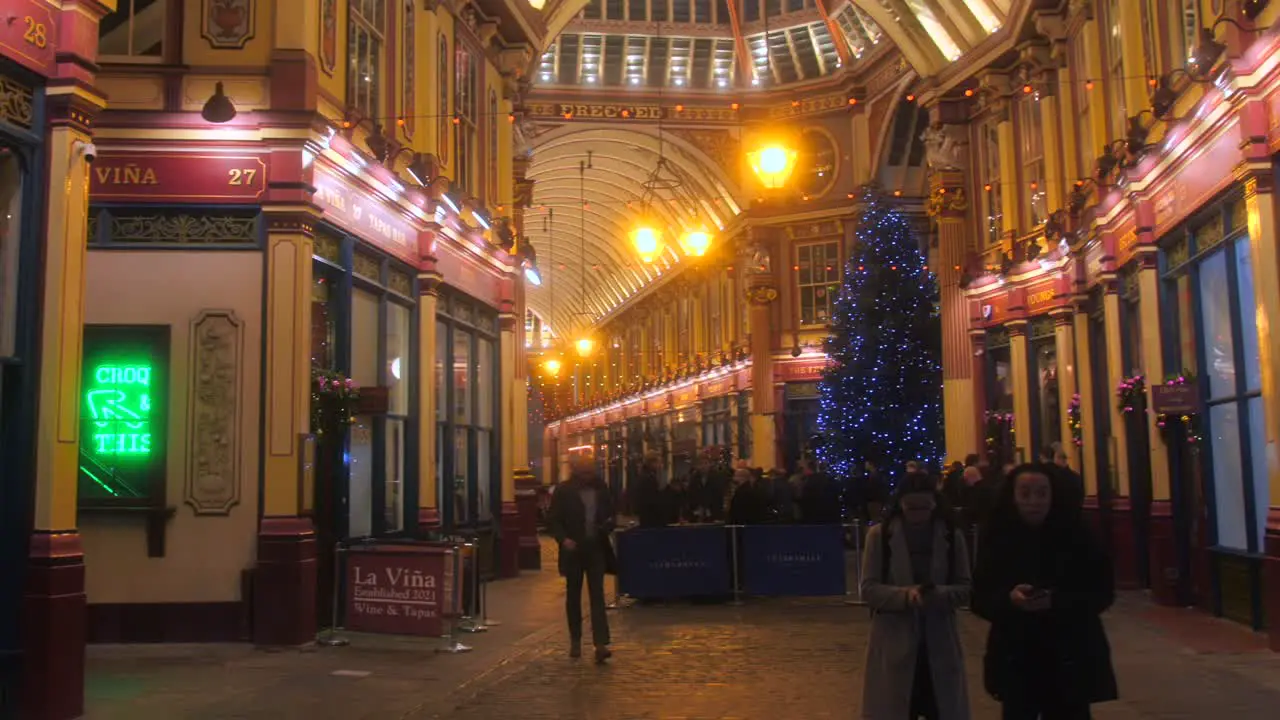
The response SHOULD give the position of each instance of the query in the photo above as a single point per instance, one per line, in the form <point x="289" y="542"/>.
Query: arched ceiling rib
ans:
<point x="622" y="159"/>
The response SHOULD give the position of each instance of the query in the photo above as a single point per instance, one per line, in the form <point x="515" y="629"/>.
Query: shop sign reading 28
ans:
<point x="118" y="400"/>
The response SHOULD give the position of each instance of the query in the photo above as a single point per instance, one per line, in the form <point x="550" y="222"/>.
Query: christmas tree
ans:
<point x="882" y="391"/>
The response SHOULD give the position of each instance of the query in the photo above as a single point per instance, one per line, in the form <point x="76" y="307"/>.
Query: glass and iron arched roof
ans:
<point x="720" y="45"/>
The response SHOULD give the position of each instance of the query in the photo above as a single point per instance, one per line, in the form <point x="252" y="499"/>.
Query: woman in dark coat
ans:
<point x="1043" y="581"/>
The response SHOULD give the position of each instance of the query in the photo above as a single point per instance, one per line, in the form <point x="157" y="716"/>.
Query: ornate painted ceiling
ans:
<point x="632" y="52"/>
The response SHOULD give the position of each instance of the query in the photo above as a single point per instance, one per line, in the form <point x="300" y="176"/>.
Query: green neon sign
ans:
<point x="117" y="401"/>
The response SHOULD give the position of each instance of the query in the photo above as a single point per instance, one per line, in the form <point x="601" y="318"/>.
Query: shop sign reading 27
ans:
<point x="177" y="176"/>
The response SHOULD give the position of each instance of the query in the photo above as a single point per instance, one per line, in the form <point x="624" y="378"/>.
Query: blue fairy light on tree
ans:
<point x="882" y="391"/>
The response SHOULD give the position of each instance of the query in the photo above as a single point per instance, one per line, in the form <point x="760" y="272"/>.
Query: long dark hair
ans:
<point x="1064" y="509"/>
<point x="919" y="482"/>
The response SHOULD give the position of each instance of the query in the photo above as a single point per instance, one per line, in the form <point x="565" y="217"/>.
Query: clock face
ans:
<point x="816" y="168"/>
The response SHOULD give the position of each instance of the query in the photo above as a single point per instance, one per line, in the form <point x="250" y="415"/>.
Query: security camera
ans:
<point x="88" y="151"/>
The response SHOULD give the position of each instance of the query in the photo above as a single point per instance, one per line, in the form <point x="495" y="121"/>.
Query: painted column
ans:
<point x="54" y="605"/>
<point x="509" y="522"/>
<point x="428" y="483"/>
<point x="1260" y="201"/>
<point x="1122" y="529"/>
<point x="1088" y="431"/>
<point x="1162" y="552"/>
<point x="948" y="205"/>
<point x="1065" y="346"/>
<point x="978" y="400"/>
<point x="764" y="436"/>
<point x="1055" y="195"/>
<point x="526" y="485"/>
<point x="284" y="596"/>
<point x="1020" y="376"/>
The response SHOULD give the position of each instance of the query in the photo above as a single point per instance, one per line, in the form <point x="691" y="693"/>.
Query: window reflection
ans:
<point x="134" y="31"/>
<point x="10" y="238"/>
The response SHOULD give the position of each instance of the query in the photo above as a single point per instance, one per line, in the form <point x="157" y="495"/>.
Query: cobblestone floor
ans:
<point x="766" y="660"/>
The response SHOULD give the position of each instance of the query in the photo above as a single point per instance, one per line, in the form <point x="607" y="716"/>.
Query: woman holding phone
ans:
<point x="1043" y="581"/>
<point x="915" y="576"/>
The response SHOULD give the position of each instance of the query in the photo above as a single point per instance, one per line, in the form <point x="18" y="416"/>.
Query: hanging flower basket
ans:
<point x="1131" y="394"/>
<point x="333" y="400"/>
<point x="1074" y="420"/>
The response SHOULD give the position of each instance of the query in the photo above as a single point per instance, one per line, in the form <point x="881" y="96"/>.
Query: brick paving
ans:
<point x="766" y="660"/>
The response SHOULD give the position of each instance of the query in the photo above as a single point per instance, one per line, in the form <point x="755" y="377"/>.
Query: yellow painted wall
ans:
<point x="204" y="555"/>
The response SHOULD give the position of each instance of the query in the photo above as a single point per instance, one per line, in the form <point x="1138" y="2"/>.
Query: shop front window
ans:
<point x="398" y="344"/>
<point x="364" y="370"/>
<point x="10" y="238"/>
<point x="1046" y="386"/>
<point x="1210" y="274"/>
<point x="466" y="376"/>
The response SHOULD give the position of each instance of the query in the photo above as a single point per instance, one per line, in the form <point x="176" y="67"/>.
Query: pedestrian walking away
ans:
<point x="580" y="520"/>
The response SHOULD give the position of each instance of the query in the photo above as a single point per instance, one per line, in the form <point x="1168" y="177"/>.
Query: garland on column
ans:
<point x="1191" y="421"/>
<point x="1074" y="421"/>
<point x="1131" y="394"/>
<point x="333" y="400"/>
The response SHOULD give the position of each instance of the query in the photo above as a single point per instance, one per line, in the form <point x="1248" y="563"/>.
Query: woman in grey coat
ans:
<point x="915" y="577"/>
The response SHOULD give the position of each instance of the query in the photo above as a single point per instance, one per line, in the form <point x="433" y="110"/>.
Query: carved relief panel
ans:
<point x="213" y="475"/>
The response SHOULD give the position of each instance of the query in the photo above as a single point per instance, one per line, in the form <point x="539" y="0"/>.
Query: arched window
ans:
<point x="408" y="97"/>
<point x="491" y="172"/>
<point x="442" y="100"/>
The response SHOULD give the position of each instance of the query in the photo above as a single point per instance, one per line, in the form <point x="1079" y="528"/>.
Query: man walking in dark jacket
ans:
<point x="580" y="520"/>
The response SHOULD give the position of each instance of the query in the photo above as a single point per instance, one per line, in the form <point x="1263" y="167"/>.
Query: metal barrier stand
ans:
<point x="330" y="638"/>
<point x="733" y="548"/>
<point x="853" y="596"/>
<point x="619" y="600"/>
<point x="452" y="645"/>
<point x="471" y="621"/>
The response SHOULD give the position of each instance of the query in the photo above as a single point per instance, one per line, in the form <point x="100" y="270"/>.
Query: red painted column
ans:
<point x="54" y="626"/>
<point x="1124" y="544"/>
<point x="530" y="549"/>
<point x="284" y="582"/>
<point x="1163" y="554"/>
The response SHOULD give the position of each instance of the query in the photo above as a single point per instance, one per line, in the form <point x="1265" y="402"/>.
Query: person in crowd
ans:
<point x="781" y="496"/>
<point x="647" y="497"/>
<point x="581" y="519"/>
<point x="915" y="577"/>
<point x="718" y="485"/>
<point x="676" y="504"/>
<point x="1043" y="581"/>
<point x="820" y="498"/>
<point x="697" y="492"/>
<point x="749" y="504"/>
<point x="951" y="480"/>
<point x="1073" y="480"/>
<point x="874" y="490"/>
<point x="978" y="496"/>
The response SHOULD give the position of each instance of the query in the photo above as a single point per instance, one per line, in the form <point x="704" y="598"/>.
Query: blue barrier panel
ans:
<point x="798" y="560"/>
<point x="674" y="562"/>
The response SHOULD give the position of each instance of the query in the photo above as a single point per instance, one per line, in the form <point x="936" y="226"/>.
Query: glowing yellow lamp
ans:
<point x="647" y="241"/>
<point x="773" y="164"/>
<point x="696" y="243"/>
<point x="552" y="366"/>
<point x="585" y="346"/>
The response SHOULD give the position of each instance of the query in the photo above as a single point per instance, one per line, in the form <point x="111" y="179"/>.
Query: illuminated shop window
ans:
<point x="365" y="41"/>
